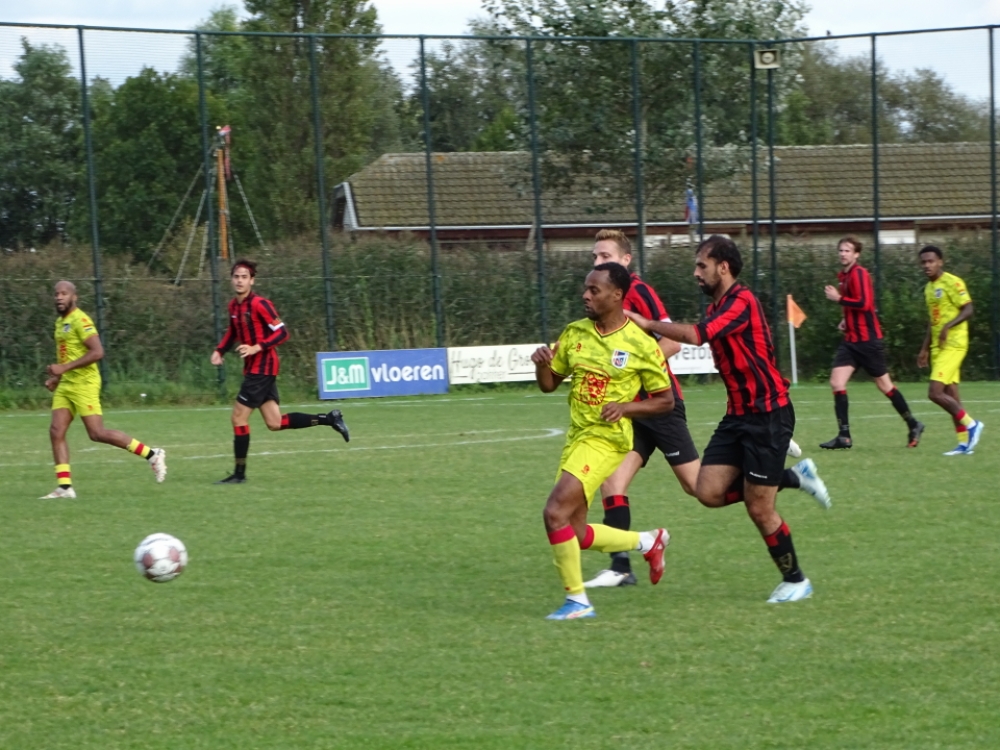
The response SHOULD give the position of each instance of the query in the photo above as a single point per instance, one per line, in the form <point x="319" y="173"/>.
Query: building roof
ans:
<point x="493" y="190"/>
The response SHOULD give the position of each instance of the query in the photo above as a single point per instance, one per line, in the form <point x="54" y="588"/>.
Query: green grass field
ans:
<point x="391" y="593"/>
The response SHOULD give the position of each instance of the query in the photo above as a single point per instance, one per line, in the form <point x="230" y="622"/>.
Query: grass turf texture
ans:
<point x="390" y="593"/>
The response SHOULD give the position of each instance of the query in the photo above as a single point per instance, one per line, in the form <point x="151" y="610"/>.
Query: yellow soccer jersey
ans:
<point x="71" y="331"/>
<point x="945" y="297"/>
<point x="605" y="368"/>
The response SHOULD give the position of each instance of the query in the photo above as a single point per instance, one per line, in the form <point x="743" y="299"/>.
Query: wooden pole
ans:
<point x="220" y="171"/>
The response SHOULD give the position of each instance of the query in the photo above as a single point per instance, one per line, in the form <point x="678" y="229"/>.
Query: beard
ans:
<point x="706" y="289"/>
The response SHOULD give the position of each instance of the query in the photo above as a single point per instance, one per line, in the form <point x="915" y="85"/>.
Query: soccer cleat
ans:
<point x="610" y="579"/>
<point x="793" y="449"/>
<point x="975" y="432"/>
<point x="791" y="592"/>
<point x="655" y="556"/>
<point x="158" y="463"/>
<point x="336" y="421"/>
<point x="961" y="450"/>
<point x="810" y="482"/>
<point x="232" y="479"/>
<point x="68" y="494"/>
<point x="915" y="432"/>
<point x="838" y="443"/>
<point x="571" y="610"/>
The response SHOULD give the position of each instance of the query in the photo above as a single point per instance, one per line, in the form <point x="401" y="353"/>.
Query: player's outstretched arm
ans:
<point x="681" y="332"/>
<point x="547" y="380"/>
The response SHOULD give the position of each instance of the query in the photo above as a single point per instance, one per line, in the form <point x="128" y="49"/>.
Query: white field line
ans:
<point x="548" y="432"/>
<point x="172" y="446"/>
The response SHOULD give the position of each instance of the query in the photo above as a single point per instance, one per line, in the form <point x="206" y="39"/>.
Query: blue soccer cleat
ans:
<point x="791" y="592"/>
<point x="975" y="432"/>
<point x="961" y="450"/>
<point x="571" y="610"/>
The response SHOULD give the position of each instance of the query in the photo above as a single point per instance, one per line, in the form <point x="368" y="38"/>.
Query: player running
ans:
<point x="861" y="346"/>
<point x="667" y="432"/>
<point x="744" y="460"/>
<point x="76" y="385"/>
<point x="254" y="322"/>
<point x="609" y="359"/>
<point x="947" y="342"/>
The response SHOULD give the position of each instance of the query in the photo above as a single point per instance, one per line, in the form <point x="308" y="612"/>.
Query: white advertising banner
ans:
<point x="511" y="363"/>
<point x="693" y="360"/>
<point x="490" y="364"/>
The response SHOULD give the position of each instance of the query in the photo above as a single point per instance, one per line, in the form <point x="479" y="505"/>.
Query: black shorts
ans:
<point x="755" y="443"/>
<point x="667" y="432"/>
<point x="862" y="355"/>
<point x="257" y="390"/>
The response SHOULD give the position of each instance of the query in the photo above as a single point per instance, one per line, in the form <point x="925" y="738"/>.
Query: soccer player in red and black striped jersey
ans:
<point x="745" y="458"/>
<point x="667" y="432"/>
<point x="862" y="345"/>
<point x="255" y="324"/>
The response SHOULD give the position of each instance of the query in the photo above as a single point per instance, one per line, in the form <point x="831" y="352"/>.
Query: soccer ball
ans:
<point x="161" y="557"/>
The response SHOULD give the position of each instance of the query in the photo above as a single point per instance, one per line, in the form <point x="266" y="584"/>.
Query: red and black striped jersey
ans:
<point x="255" y="321"/>
<point x="643" y="299"/>
<point x="857" y="296"/>
<point x="737" y="331"/>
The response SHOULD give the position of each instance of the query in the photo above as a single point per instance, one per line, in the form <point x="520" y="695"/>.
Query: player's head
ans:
<point x="612" y="246"/>
<point x="243" y="274"/>
<point x="932" y="261"/>
<point x="65" y="297"/>
<point x="848" y="250"/>
<point x="717" y="261"/>
<point x="605" y="289"/>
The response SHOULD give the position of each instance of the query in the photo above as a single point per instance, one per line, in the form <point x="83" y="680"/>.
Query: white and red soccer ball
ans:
<point x="161" y="557"/>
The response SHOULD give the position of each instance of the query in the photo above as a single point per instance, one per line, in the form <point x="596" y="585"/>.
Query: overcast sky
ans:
<point x="962" y="58"/>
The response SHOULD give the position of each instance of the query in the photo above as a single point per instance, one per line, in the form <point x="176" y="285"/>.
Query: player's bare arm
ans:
<point x="248" y="350"/>
<point x="832" y="293"/>
<point x="95" y="353"/>
<point x="657" y="403"/>
<point x="547" y="380"/>
<point x="963" y="315"/>
<point x="682" y="332"/>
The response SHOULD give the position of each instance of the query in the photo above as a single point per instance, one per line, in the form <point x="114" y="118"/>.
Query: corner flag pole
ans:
<point x="795" y="319"/>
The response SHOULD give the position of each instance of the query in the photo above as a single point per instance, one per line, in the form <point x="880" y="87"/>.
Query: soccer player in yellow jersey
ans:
<point x="76" y="385"/>
<point x="608" y="359"/>
<point x="946" y="344"/>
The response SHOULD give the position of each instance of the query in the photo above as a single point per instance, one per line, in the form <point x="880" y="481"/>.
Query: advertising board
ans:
<point x="397" y="372"/>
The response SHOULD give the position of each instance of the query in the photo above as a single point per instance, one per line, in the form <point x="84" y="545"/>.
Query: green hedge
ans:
<point x="159" y="333"/>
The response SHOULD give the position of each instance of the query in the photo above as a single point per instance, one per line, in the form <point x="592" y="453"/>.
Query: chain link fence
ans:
<point x="429" y="191"/>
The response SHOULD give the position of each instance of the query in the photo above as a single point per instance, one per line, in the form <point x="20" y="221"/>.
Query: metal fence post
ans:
<point x="994" y="254"/>
<point x="324" y="230"/>
<point x="753" y="170"/>
<point x="640" y="200"/>
<point x="875" y="194"/>
<point x="213" y="262"/>
<point x="536" y="185"/>
<point x="773" y="198"/>
<point x="431" y="207"/>
<point x="95" y="245"/>
<point x="700" y="178"/>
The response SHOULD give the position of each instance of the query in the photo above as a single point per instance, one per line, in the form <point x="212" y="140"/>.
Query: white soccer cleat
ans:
<point x="793" y="449"/>
<point x="975" y="432"/>
<point x="59" y="493"/>
<point x="158" y="463"/>
<point x="610" y="579"/>
<point x="791" y="592"/>
<point x="810" y="482"/>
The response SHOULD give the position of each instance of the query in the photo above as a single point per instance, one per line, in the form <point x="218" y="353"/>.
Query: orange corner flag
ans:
<point x="795" y="315"/>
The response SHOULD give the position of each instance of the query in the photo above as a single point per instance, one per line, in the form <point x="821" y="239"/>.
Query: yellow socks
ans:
<point x="63" y="478"/>
<point x="608" y="539"/>
<point x="139" y="449"/>
<point x="566" y="554"/>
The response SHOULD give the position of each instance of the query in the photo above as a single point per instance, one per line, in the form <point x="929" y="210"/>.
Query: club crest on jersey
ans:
<point x="939" y="293"/>
<point x="619" y="358"/>
<point x="66" y="327"/>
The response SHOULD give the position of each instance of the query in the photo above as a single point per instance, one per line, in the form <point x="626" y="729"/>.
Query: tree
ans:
<point x="40" y="147"/>
<point x="147" y="149"/>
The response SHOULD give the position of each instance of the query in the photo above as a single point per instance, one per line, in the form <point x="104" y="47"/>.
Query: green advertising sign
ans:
<point x="346" y="374"/>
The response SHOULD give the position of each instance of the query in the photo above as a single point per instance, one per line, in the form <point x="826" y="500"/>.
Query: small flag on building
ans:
<point x="795" y="315"/>
<point x="691" y="208"/>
